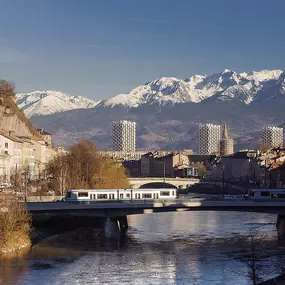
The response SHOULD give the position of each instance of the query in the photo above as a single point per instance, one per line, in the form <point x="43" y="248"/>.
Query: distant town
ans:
<point x="216" y="159"/>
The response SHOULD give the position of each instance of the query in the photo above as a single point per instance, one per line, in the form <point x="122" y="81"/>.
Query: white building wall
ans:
<point x="209" y="139"/>
<point x="124" y="136"/>
<point x="272" y="136"/>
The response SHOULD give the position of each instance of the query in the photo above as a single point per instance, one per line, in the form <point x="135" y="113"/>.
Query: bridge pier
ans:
<point x="115" y="227"/>
<point x="280" y="225"/>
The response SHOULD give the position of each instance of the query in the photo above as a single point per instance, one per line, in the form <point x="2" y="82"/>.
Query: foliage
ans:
<point x="15" y="225"/>
<point x="7" y="95"/>
<point x="83" y="168"/>
<point x="201" y="169"/>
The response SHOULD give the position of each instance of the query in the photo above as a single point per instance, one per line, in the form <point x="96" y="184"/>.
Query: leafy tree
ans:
<point x="201" y="169"/>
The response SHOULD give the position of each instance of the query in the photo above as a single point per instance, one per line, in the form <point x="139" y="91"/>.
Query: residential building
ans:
<point x="170" y="165"/>
<point x="4" y="166"/>
<point x="28" y="156"/>
<point x="45" y="135"/>
<point x="40" y="146"/>
<point x="12" y="146"/>
<point x="209" y="139"/>
<point x="124" y="136"/>
<point x="272" y="136"/>
<point x="241" y="166"/>
<point x="123" y="155"/>
<point x="226" y="143"/>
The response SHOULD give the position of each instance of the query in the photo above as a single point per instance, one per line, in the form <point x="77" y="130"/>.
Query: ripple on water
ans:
<point x="169" y="248"/>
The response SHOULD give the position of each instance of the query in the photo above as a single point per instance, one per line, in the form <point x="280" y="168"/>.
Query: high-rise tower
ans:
<point x="209" y="139"/>
<point x="226" y="143"/>
<point x="124" y="136"/>
<point x="272" y="136"/>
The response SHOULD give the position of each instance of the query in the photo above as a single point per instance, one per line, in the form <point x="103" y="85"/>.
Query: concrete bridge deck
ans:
<point x="116" y="209"/>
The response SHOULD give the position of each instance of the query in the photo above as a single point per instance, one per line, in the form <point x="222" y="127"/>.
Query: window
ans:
<point x="265" y="193"/>
<point x="121" y="196"/>
<point x="146" y="196"/>
<point x="281" y="196"/>
<point x="173" y="193"/>
<point x="6" y="145"/>
<point x="83" y="194"/>
<point x="164" y="193"/>
<point x="128" y="195"/>
<point x="68" y="194"/>
<point x="111" y="196"/>
<point x="102" y="196"/>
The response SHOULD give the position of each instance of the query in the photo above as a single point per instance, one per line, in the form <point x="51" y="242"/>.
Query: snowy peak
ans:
<point x="262" y="76"/>
<point x="166" y="90"/>
<point x="228" y="86"/>
<point x="49" y="102"/>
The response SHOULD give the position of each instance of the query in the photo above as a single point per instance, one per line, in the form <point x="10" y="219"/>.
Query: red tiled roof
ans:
<point x="14" y="139"/>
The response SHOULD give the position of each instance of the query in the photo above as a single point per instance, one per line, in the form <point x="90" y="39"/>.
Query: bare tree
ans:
<point x="253" y="256"/>
<point x="83" y="168"/>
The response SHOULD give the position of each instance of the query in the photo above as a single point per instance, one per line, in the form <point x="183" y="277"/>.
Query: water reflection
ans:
<point x="165" y="248"/>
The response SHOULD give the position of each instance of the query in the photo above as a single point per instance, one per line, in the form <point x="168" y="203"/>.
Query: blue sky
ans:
<point x="100" y="48"/>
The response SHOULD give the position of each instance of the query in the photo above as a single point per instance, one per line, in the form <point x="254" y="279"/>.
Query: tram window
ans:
<point x="173" y="194"/>
<point x="83" y="194"/>
<point x="146" y="196"/>
<point x="110" y="196"/>
<point x="164" y="193"/>
<point x="265" y="193"/>
<point x="121" y="196"/>
<point x="128" y="195"/>
<point x="102" y="196"/>
<point x="68" y="194"/>
<point x="281" y="196"/>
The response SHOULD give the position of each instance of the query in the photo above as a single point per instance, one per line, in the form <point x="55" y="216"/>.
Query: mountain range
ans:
<point x="167" y="110"/>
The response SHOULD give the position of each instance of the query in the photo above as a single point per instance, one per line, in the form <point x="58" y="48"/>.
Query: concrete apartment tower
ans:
<point x="272" y="136"/>
<point x="226" y="143"/>
<point x="209" y="139"/>
<point x="124" y="136"/>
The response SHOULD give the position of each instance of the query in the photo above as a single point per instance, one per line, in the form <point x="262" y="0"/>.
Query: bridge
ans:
<point x="160" y="182"/>
<point x="114" y="213"/>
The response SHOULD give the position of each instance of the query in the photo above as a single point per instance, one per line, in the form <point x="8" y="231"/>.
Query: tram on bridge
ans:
<point x="97" y="195"/>
<point x="265" y="194"/>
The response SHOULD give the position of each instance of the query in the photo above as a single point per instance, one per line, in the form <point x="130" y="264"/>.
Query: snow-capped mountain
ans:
<point x="167" y="110"/>
<point x="39" y="103"/>
<point x="227" y="86"/>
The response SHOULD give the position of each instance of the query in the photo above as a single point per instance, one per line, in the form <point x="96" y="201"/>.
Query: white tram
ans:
<point x="120" y="194"/>
<point x="267" y="194"/>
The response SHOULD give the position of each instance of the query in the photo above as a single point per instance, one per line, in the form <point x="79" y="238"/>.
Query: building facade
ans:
<point x="124" y="136"/>
<point x="170" y="165"/>
<point x="209" y="139"/>
<point x="272" y="136"/>
<point x="226" y="143"/>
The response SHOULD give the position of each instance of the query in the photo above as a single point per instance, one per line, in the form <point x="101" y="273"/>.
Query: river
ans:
<point x="163" y="248"/>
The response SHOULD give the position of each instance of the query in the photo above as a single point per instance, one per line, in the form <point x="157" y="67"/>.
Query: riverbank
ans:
<point x="15" y="227"/>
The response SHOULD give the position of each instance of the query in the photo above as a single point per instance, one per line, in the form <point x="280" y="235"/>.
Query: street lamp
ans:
<point x="164" y="174"/>
<point x="223" y="189"/>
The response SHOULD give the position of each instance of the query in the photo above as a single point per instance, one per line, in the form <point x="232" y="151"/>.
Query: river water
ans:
<point x="161" y="248"/>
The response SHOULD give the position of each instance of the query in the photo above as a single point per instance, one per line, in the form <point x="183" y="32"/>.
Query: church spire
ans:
<point x="225" y="132"/>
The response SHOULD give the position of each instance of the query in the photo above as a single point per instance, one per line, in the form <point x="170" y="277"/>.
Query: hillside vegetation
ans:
<point x="10" y="109"/>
